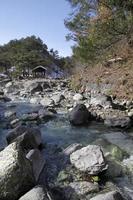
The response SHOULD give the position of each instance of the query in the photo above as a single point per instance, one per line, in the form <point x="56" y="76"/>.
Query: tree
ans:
<point x="96" y="25"/>
<point x="25" y="54"/>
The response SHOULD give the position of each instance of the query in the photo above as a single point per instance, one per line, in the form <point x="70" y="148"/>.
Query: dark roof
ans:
<point x="39" y="67"/>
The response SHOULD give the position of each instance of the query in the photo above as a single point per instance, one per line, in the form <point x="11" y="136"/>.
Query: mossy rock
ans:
<point x="113" y="150"/>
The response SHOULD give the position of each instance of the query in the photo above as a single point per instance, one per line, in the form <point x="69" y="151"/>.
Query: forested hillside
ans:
<point x="27" y="53"/>
<point x="103" y="35"/>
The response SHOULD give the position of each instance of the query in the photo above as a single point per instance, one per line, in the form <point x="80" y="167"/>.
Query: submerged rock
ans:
<point x="79" y="115"/>
<point x="35" y="100"/>
<point x="89" y="159"/>
<point x="120" y="122"/>
<point x="16" y="175"/>
<point x="46" y="115"/>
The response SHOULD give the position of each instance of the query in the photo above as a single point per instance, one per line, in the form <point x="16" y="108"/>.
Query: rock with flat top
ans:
<point x="89" y="159"/>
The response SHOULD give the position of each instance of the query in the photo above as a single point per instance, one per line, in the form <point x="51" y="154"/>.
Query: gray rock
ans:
<point x="4" y="99"/>
<point x="37" y="193"/>
<point x="113" y="195"/>
<point x="11" y="88"/>
<point x="73" y="147"/>
<point x="121" y="122"/>
<point x="58" y="98"/>
<point x="35" y="87"/>
<point x="46" y="115"/>
<point x="79" y="115"/>
<point x="14" y="123"/>
<point x="14" y="133"/>
<point x="37" y="161"/>
<point x="9" y="84"/>
<point x="101" y="99"/>
<point x="9" y="114"/>
<point x="89" y="159"/>
<point x="47" y="102"/>
<point x="83" y="188"/>
<point x="30" y="117"/>
<point x="35" y="100"/>
<point x="78" y="97"/>
<point x="16" y="175"/>
<point x="31" y="138"/>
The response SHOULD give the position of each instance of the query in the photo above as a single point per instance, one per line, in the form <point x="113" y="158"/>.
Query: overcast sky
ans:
<point x="43" y="18"/>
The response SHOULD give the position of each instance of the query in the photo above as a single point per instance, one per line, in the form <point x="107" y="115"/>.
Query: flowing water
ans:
<point x="60" y="132"/>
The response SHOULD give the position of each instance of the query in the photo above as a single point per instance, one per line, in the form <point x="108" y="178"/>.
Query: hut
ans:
<point x="39" y="72"/>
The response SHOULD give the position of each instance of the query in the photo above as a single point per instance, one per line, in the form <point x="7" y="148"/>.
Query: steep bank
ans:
<point x="115" y="80"/>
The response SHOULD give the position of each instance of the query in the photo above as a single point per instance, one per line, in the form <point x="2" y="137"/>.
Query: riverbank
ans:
<point x="36" y="125"/>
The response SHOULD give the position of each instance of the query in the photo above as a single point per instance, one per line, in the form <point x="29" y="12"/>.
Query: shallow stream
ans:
<point x="60" y="132"/>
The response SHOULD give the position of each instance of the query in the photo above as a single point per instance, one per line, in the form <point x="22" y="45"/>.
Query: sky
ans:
<point x="42" y="18"/>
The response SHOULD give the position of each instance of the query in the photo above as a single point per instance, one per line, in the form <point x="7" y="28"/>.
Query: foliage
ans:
<point x="29" y="52"/>
<point x="96" y="25"/>
<point x="25" y="53"/>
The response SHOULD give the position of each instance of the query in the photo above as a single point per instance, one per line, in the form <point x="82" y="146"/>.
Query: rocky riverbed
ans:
<point x="59" y="144"/>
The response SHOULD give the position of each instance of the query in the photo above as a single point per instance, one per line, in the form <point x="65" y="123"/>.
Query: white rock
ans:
<point x="46" y="102"/>
<point x="89" y="159"/>
<point x="78" y="97"/>
<point x="35" y="100"/>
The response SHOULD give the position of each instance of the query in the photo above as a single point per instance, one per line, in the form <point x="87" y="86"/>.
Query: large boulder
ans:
<point x="89" y="159"/>
<point x="16" y="176"/>
<point x="120" y="122"/>
<point x="29" y="137"/>
<point x="37" y="193"/>
<point x="113" y="195"/>
<point x="79" y="115"/>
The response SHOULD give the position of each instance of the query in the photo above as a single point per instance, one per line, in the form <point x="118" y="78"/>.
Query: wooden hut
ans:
<point x="39" y="72"/>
